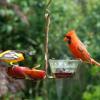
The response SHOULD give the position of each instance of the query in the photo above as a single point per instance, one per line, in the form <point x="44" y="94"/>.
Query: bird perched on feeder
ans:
<point x="11" y="56"/>
<point x="78" y="49"/>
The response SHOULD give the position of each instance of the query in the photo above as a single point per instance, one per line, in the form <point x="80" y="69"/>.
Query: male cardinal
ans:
<point x="77" y="48"/>
<point x="11" y="56"/>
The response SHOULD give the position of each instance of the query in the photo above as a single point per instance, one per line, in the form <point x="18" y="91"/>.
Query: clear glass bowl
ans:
<point x="63" y="68"/>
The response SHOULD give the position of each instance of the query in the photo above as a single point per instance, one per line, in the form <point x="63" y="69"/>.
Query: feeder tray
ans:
<point x="63" y="68"/>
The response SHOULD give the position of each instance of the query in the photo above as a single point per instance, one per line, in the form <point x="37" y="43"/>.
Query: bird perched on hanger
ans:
<point x="11" y="56"/>
<point x="78" y="49"/>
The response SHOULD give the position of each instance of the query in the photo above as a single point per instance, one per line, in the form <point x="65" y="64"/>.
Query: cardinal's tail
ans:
<point x="95" y="62"/>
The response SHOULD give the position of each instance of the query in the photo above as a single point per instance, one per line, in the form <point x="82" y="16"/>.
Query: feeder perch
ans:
<point x="63" y="68"/>
<point x="22" y="72"/>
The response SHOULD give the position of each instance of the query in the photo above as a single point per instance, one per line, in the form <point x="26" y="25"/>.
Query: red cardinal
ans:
<point x="78" y="49"/>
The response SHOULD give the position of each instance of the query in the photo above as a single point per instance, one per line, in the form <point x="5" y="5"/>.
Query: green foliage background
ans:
<point x="19" y="33"/>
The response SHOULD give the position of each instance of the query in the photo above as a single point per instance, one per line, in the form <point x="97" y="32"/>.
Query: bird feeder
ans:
<point x="63" y="68"/>
<point x="59" y="68"/>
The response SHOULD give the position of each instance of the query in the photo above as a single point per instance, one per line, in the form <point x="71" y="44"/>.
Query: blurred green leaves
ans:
<point x="81" y="15"/>
<point x="93" y="93"/>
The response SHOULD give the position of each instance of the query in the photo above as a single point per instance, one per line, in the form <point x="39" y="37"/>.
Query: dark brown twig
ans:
<point x="47" y="6"/>
<point x="47" y="17"/>
<point x="47" y="24"/>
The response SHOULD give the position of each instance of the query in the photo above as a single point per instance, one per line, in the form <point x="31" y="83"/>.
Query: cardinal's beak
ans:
<point x="65" y="38"/>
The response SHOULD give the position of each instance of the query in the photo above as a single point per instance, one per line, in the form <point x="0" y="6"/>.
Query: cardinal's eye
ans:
<point x="68" y="37"/>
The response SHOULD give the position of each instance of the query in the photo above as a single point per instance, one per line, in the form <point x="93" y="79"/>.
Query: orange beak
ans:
<point x="65" y="39"/>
